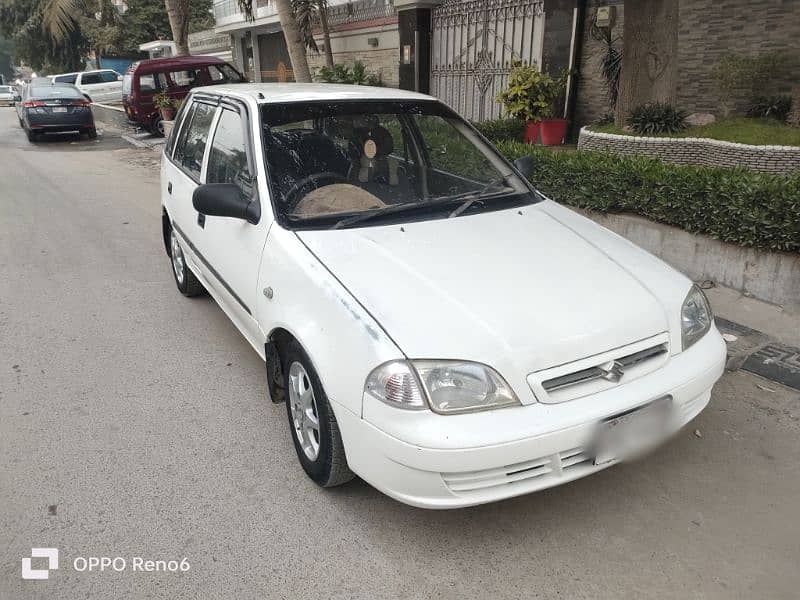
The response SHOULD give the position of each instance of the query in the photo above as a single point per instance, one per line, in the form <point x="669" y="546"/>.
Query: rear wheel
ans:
<point x="157" y="127"/>
<point x="187" y="283"/>
<point x="92" y="134"/>
<point x="32" y="137"/>
<point x="315" y="431"/>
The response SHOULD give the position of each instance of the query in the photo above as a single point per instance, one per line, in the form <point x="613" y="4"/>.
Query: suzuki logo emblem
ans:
<point x="613" y="371"/>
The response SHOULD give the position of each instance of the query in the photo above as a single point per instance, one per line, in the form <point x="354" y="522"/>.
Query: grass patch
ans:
<point x="733" y="129"/>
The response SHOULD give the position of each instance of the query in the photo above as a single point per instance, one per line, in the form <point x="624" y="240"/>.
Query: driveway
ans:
<point x="134" y="423"/>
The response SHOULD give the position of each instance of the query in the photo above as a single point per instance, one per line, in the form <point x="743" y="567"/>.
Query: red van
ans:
<point x="175" y="76"/>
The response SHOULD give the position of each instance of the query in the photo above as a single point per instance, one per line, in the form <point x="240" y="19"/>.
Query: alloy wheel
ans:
<point x="305" y="416"/>
<point x="178" y="262"/>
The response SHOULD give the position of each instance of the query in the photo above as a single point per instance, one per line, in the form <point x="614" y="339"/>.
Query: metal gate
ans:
<point x="474" y="44"/>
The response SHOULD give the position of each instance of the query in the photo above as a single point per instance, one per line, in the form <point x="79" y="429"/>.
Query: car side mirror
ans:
<point x="225" y="200"/>
<point x="525" y="165"/>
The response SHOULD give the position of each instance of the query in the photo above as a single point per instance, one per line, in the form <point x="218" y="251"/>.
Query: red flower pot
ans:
<point x="167" y="113"/>
<point x="553" y="131"/>
<point x="531" y="132"/>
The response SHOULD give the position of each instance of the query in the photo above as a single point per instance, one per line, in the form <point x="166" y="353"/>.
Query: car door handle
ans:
<point x="169" y="187"/>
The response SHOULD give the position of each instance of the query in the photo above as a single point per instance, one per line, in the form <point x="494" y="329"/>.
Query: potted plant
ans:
<point x="526" y="98"/>
<point x="165" y="105"/>
<point x="554" y="130"/>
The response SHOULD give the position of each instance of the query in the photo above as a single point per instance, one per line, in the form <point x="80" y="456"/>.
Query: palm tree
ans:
<point x="58" y="17"/>
<point x="295" y="41"/>
<point x="178" y="13"/>
<point x="305" y="11"/>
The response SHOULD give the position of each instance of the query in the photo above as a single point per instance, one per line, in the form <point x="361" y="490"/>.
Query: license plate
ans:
<point x="632" y="433"/>
<point x="59" y="109"/>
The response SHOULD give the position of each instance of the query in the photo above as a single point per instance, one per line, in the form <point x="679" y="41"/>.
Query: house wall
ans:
<point x="349" y="45"/>
<point x="708" y="29"/>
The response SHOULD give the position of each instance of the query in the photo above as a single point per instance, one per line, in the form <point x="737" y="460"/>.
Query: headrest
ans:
<point x="375" y="142"/>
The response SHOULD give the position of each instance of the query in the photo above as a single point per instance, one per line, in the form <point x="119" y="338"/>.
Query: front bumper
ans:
<point x="439" y="470"/>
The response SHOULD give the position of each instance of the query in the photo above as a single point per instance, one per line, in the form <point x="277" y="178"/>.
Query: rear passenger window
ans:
<point x="66" y="78"/>
<point x="191" y="145"/>
<point x="183" y="116"/>
<point x="227" y="162"/>
<point x="147" y="83"/>
<point x="91" y="78"/>
<point x="109" y="76"/>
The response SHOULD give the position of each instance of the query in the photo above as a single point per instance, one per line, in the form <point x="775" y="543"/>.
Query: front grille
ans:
<point x="600" y="372"/>
<point x="535" y="473"/>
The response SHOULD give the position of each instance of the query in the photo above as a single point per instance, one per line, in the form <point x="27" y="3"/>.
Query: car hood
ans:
<point x="514" y="287"/>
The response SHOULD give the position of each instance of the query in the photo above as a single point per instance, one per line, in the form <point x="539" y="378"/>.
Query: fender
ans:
<point x="301" y="297"/>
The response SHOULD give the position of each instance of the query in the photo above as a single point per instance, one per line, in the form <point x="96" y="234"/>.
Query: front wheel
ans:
<point x="315" y="431"/>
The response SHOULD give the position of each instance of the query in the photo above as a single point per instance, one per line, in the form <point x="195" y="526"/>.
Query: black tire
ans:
<point x="329" y="468"/>
<point x="187" y="283"/>
<point x="32" y="137"/>
<point x="157" y="126"/>
<point x="92" y="134"/>
<point x="21" y="124"/>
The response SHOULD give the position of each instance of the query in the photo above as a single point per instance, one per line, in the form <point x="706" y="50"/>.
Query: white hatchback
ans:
<point x="433" y="323"/>
<point x="102" y="85"/>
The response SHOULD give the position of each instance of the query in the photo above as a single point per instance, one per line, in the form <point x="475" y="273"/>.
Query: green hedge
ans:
<point x="500" y="130"/>
<point x="733" y="205"/>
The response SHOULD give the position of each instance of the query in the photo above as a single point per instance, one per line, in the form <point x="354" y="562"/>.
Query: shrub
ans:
<point x="340" y="73"/>
<point x="499" y="130"/>
<point x="530" y="94"/>
<point x="657" y="117"/>
<point x="776" y="107"/>
<point x="733" y="205"/>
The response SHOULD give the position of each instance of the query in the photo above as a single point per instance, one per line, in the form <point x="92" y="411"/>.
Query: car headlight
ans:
<point x="446" y="386"/>
<point x="696" y="317"/>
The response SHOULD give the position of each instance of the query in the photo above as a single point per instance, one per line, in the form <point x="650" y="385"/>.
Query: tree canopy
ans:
<point x="89" y="25"/>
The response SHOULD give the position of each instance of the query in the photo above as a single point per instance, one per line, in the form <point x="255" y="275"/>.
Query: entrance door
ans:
<point x="474" y="45"/>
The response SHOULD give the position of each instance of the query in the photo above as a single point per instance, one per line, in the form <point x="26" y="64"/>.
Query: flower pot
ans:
<point x="168" y="125"/>
<point x="532" y="131"/>
<point x="167" y="113"/>
<point x="553" y="131"/>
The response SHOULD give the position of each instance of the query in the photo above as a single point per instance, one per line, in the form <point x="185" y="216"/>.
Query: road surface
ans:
<point x="134" y="424"/>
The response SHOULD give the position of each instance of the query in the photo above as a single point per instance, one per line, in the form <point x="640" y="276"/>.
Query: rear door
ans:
<point x="181" y="173"/>
<point x="91" y="84"/>
<point x="111" y="86"/>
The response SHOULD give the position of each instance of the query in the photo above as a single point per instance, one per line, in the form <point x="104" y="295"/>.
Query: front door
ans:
<point x="232" y="248"/>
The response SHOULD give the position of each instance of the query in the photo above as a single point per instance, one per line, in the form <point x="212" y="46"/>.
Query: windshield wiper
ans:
<point x="472" y="197"/>
<point x="369" y="214"/>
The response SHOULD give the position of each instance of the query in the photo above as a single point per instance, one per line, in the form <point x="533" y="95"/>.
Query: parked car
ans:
<point x="8" y="95"/>
<point x="173" y="76"/>
<point x="101" y="85"/>
<point x="434" y="324"/>
<point x="56" y="108"/>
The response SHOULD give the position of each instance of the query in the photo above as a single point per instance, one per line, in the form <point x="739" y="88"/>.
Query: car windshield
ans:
<point x="338" y="164"/>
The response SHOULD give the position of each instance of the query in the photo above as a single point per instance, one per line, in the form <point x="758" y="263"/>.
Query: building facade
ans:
<point x="462" y="51"/>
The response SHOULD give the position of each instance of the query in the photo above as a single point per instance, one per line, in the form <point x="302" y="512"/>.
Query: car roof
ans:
<point x="275" y="93"/>
<point x="57" y="86"/>
<point x="157" y="64"/>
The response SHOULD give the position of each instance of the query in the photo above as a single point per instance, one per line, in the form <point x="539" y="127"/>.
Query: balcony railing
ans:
<point x="339" y="11"/>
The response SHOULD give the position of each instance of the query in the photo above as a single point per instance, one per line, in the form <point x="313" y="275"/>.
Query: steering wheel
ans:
<point x="299" y="190"/>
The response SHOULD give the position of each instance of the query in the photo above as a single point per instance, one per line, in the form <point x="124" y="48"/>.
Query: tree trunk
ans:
<point x="294" y="41"/>
<point x="178" y="13"/>
<point x="326" y="32"/>
<point x="649" y="55"/>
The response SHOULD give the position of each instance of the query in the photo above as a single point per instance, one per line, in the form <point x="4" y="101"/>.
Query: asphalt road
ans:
<point x="134" y="423"/>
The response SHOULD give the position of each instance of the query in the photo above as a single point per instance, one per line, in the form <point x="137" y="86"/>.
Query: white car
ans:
<point x="8" y="95"/>
<point x="433" y="323"/>
<point x="102" y="85"/>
